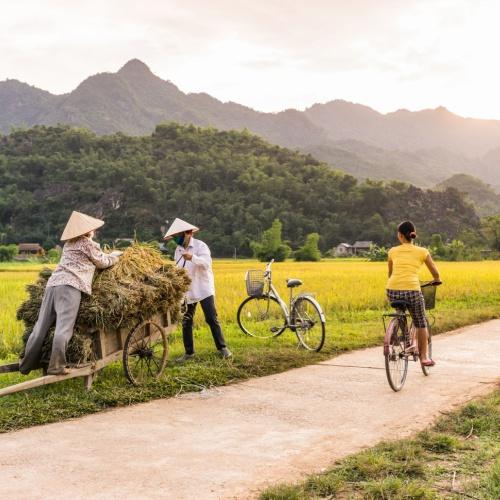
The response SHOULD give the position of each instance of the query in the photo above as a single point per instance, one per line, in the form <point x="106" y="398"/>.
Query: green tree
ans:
<point x="436" y="245"/>
<point x="310" y="250"/>
<point x="271" y="245"/>
<point x="490" y="227"/>
<point x="455" y="251"/>
<point x="7" y="252"/>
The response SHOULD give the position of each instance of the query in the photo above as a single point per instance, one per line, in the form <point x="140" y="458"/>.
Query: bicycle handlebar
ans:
<point x="268" y="267"/>
<point x="431" y="283"/>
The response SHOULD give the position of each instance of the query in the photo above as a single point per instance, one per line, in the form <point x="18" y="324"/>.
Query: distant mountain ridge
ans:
<point x="423" y="147"/>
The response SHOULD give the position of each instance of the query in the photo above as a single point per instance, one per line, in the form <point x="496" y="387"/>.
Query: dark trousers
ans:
<point x="208" y="307"/>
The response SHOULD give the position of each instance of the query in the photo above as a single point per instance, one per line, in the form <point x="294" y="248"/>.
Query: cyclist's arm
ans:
<point x="389" y="265"/>
<point x="432" y="268"/>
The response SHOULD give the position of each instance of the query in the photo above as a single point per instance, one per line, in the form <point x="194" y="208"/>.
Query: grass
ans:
<point x="351" y="293"/>
<point x="459" y="457"/>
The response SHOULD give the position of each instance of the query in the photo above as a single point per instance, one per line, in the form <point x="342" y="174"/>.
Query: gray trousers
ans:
<point x="60" y="304"/>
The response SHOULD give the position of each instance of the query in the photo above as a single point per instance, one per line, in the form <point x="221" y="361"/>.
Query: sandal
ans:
<point x="429" y="362"/>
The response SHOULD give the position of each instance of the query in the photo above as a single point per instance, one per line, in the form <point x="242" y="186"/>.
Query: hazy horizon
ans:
<point x="271" y="55"/>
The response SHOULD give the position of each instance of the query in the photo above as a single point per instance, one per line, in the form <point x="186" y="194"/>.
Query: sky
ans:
<point x="269" y="54"/>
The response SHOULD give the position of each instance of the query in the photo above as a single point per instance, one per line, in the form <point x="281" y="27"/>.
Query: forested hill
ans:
<point x="481" y="195"/>
<point x="231" y="184"/>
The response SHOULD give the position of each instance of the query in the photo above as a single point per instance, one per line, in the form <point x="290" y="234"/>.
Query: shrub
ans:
<point x="377" y="254"/>
<point x="271" y="245"/>
<point x="310" y="250"/>
<point x="53" y="255"/>
<point x="8" y="252"/>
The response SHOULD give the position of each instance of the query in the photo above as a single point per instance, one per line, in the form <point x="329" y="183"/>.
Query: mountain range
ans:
<point x="423" y="147"/>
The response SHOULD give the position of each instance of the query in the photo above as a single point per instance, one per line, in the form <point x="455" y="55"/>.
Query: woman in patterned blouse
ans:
<point x="61" y="300"/>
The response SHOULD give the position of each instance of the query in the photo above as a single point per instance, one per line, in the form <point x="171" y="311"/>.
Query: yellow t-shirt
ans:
<point x="407" y="259"/>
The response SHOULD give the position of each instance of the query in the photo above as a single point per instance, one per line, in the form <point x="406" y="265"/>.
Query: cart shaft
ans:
<point x="48" y="379"/>
<point x="12" y="367"/>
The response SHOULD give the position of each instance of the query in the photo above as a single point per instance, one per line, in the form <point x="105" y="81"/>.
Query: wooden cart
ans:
<point x="143" y="350"/>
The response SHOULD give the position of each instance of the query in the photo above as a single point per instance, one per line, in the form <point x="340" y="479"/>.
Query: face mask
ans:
<point x="179" y="239"/>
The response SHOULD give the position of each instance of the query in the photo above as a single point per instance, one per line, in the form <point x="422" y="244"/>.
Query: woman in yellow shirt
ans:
<point x="405" y="262"/>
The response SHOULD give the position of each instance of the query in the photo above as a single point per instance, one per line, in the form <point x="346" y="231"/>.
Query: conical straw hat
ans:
<point x="179" y="226"/>
<point x="80" y="224"/>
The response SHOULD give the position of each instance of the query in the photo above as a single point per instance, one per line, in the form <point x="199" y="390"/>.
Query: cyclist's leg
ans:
<point x="417" y="311"/>
<point x="423" y="339"/>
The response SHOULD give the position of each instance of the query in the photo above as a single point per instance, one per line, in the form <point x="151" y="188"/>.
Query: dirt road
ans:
<point x="233" y="441"/>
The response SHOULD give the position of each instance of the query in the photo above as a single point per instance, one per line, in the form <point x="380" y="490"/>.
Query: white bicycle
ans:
<point x="264" y="314"/>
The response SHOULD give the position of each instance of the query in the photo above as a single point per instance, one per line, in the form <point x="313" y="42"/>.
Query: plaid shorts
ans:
<point x="416" y="303"/>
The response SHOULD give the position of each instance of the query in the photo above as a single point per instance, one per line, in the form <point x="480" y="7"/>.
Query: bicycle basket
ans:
<point x="429" y="293"/>
<point x="255" y="283"/>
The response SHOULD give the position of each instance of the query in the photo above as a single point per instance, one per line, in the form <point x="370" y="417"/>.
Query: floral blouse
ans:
<point x="79" y="260"/>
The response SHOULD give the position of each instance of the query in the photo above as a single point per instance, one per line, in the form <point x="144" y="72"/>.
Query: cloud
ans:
<point x="269" y="54"/>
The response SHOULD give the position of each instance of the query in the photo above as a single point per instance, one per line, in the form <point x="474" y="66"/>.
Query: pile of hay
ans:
<point x="140" y="285"/>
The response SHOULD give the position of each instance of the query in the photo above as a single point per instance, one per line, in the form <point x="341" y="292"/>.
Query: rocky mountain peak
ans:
<point x="135" y="67"/>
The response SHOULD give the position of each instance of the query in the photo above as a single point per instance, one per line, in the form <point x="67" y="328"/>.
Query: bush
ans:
<point x="271" y="245"/>
<point x="310" y="250"/>
<point x="455" y="250"/>
<point x="377" y="254"/>
<point x="8" y="252"/>
<point x="53" y="256"/>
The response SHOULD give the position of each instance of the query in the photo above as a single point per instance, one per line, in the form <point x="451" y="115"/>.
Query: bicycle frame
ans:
<point x="272" y="292"/>
<point x="402" y="317"/>
<point x="287" y="308"/>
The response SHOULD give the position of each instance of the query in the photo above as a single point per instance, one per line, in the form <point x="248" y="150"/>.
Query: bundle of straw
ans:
<point x="139" y="286"/>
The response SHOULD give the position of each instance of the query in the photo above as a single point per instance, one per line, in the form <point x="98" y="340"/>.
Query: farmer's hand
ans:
<point x="116" y="253"/>
<point x="187" y="255"/>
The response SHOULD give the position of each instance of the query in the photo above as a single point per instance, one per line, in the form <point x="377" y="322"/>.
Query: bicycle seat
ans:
<point x="292" y="282"/>
<point x="400" y="304"/>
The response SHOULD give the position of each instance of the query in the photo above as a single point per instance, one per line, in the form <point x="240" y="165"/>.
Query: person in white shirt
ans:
<point x="194" y="256"/>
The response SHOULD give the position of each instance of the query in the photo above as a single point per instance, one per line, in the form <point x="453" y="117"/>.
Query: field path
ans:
<point x="232" y="441"/>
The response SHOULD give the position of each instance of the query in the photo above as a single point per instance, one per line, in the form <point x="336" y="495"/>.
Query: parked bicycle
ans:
<point x="264" y="314"/>
<point x="400" y="335"/>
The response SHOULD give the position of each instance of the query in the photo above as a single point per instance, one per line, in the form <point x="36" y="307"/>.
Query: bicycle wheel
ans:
<point x="427" y="369"/>
<point x="261" y="317"/>
<point x="396" y="362"/>
<point x="308" y="322"/>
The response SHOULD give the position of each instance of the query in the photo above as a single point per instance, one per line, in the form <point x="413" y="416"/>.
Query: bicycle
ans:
<point x="398" y="337"/>
<point x="264" y="314"/>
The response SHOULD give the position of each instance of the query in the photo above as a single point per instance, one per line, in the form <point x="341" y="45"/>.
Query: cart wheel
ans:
<point x="145" y="353"/>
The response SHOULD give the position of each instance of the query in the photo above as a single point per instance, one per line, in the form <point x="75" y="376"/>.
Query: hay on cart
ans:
<point x="139" y="286"/>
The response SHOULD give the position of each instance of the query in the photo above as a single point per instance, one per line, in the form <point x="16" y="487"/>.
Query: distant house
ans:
<point x="29" y="251"/>
<point x="347" y="250"/>
<point x="361" y="247"/>
<point x="343" y="250"/>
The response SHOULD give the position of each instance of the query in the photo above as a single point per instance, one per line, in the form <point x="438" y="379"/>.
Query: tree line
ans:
<point x="231" y="184"/>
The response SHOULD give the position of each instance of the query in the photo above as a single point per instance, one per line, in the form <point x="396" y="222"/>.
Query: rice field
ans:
<point x="349" y="291"/>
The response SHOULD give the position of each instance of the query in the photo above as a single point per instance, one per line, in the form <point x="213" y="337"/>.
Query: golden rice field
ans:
<point x="351" y="292"/>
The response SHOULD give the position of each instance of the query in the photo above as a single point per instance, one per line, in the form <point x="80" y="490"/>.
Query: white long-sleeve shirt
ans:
<point x="199" y="269"/>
